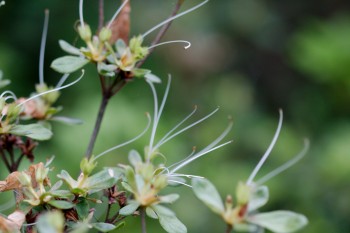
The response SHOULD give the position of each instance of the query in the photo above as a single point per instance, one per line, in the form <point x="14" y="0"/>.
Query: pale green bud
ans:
<point x="160" y="182"/>
<point x="105" y="34"/>
<point x="243" y="193"/>
<point x="87" y="166"/>
<point x="85" y="32"/>
<point x="25" y="179"/>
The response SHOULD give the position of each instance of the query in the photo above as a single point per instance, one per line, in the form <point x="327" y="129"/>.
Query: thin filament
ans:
<point x="62" y="80"/>
<point x="55" y="89"/>
<point x="197" y="156"/>
<point x="172" y="41"/>
<point x="267" y="153"/>
<point x="286" y="165"/>
<point x="155" y="119"/>
<point x="116" y="13"/>
<point x="82" y="24"/>
<point x="42" y="47"/>
<point x="172" y="18"/>
<point x="186" y="128"/>
<point x="10" y="93"/>
<point x="176" y="126"/>
<point x="127" y="142"/>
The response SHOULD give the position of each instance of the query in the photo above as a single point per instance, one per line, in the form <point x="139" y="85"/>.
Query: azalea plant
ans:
<point x="138" y="188"/>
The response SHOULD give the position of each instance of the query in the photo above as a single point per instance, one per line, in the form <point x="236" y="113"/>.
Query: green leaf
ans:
<point x="103" y="227"/>
<point x="68" y="64"/>
<point x="207" y="193"/>
<point x="258" y="198"/>
<point x="82" y="208"/>
<point x="130" y="208"/>
<point x="61" y="193"/>
<point x="169" y="198"/>
<point x="100" y="180"/>
<point x="60" y="204"/>
<point x="168" y="220"/>
<point x="281" y="221"/>
<point x="67" y="120"/>
<point x="134" y="158"/>
<point x="65" y="46"/>
<point x="68" y="179"/>
<point x="34" y="131"/>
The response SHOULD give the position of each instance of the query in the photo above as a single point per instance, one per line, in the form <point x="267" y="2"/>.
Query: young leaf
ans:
<point x="130" y="208"/>
<point x="61" y="204"/>
<point x="281" y="221"/>
<point x="259" y="197"/>
<point x="34" y="131"/>
<point x="65" y="46"/>
<point x="100" y="180"/>
<point x="169" y="198"/>
<point x="103" y="227"/>
<point x="68" y="64"/>
<point x="207" y="193"/>
<point x="51" y="222"/>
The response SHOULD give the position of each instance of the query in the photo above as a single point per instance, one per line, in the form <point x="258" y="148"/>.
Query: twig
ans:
<point x="228" y="228"/>
<point x="162" y="32"/>
<point x="5" y="160"/>
<point x="100" y="14"/>
<point x="143" y="220"/>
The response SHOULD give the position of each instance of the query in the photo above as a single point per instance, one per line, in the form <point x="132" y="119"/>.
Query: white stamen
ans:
<point x="189" y="156"/>
<point x="286" y="165"/>
<point x="42" y="47"/>
<point x="29" y="224"/>
<point x="267" y="153"/>
<point x="10" y="93"/>
<point x="179" y="182"/>
<point x="176" y="126"/>
<point x="164" y="140"/>
<point x="172" y="18"/>
<point x="196" y="156"/>
<point x="55" y="89"/>
<point x="62" y="80"/>
<point x="170" y="42"/>
<point x="127" y="142"/>
<point x="82" y="24"/>
<point x="185" y="175"/>
<point x="116" y="13"/>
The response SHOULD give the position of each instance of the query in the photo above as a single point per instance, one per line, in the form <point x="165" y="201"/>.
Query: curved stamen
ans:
<point x="62" y="80"/>
<point x="170" y="42"/>
<point x="181" y="161"/>
<point x="82" y="24"/>
<point x="116" y="13"/>
<point x="155" y="117"/>
<point x="127" y="142"/>
<point x="176" y="126"/>
<point x="197" y="156"/>
<point x="10" y="93"/>
<point x="179" y="182"/>
<point x="55" y="89"/>
<point x="268" y="151"/>
<point x="286" y="165"/>
<point x="42" y="47"/>
<point x="172" y="18"/>
<point x="186" y="128"/>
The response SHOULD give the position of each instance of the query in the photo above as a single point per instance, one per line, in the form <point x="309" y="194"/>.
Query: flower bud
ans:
<point x="160" y="182"/>
<point x="41" y="173"/>
<point x="105" y="34"/>
<point x="87" y="166"/>
<point x="243" y="193"/>
<point x="25" y="179"/>
<point x="84" y="32"/>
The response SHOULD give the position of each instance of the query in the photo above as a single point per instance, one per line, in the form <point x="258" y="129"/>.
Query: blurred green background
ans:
<point x="250" y="58"/>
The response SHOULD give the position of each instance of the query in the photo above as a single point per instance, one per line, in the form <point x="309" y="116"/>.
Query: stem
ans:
<point x="161" y="33"/>
<point x="97" y="126"/>
<point x="143" y="220"/>
<point x="100" y="14"/>
<point x="228" y="228"/>
<point x="108" y="212"/>
<point x="5" y="160"/>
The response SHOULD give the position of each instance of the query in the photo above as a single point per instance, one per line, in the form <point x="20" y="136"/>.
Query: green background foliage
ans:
<point x="249" y="57"/>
